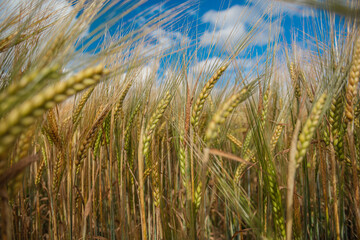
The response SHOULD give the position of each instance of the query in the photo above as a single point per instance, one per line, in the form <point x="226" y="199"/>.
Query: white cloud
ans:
<point x="56" y="13"/>
<point x="278" y="7"/>
<point x="161" y="40"/>
<point x="229" y="26"/>
<point x="233" y="24"/>
<point x="166" y="38"/>
<point x="206" y="66"/>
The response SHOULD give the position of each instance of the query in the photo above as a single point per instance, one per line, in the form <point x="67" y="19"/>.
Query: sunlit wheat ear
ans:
<point x="52" y="129"/>
<point x="41" y="167"/>
<point x="248" y="155"/>
<point x="81" y="104"/>
<point x="236" y="141"/>
<point x="223" y="112"/>
<point x="306" y="86"/>
<point x="276" y="135"/>
<point x="26" y="114"/>
<point x="295" y="80"/>
<point x="309" y="129"/>
<point x="151" y="125"/>
<point x="16" y="91"/>
<point x="352" y="84"/>
<point x="89" y="137"/>
<point x="200" y="101"/>
<point x="119" y="104"/>
<point x="58" y="168"/>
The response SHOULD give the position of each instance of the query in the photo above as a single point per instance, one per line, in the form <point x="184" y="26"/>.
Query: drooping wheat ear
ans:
<point x="352" y="83"/>
<point x="119" y="104"/>
<point x="249" y="156"/>
<point x="295" y="80"/>
<point x="58" y="172"/>
<point x="26" y="114"/>
<point x="241" y="166"/>
<point x="309" y="129"/>
<point x="306" y="86"/>
<point x="81" y="104"/>
<point x="84" y="146"/>
<point x="199" y="104"/>
<point x="223" y="112"/>
<point x="127" y="132"/>
<point x="41" y="167"/>
<point x="16" y="91"/>
<point x="234" y="140"/>
<point x="276" y="135"/>
<point x="151" y="125"/>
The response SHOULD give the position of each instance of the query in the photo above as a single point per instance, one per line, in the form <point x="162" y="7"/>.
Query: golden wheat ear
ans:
<point x="26" y="114"/>
<point x="204" y="94"/>
<point x="224" y="111"/>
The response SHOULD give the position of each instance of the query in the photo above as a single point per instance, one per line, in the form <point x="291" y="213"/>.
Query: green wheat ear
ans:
<point x="309" y="129"/>
<point x="204" y="95"/>
<point x="352" y="84"/>
<point x="153" y="122"/>
<point x="224" y="111"/>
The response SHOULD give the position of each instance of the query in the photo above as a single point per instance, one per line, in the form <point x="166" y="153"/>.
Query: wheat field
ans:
<point x="126" y="140"/>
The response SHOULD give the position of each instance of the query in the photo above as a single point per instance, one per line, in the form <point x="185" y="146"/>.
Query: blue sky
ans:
<point x="207" y="22"/>
<point x="202" y="14"/>
<point x="206" y="26"/>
